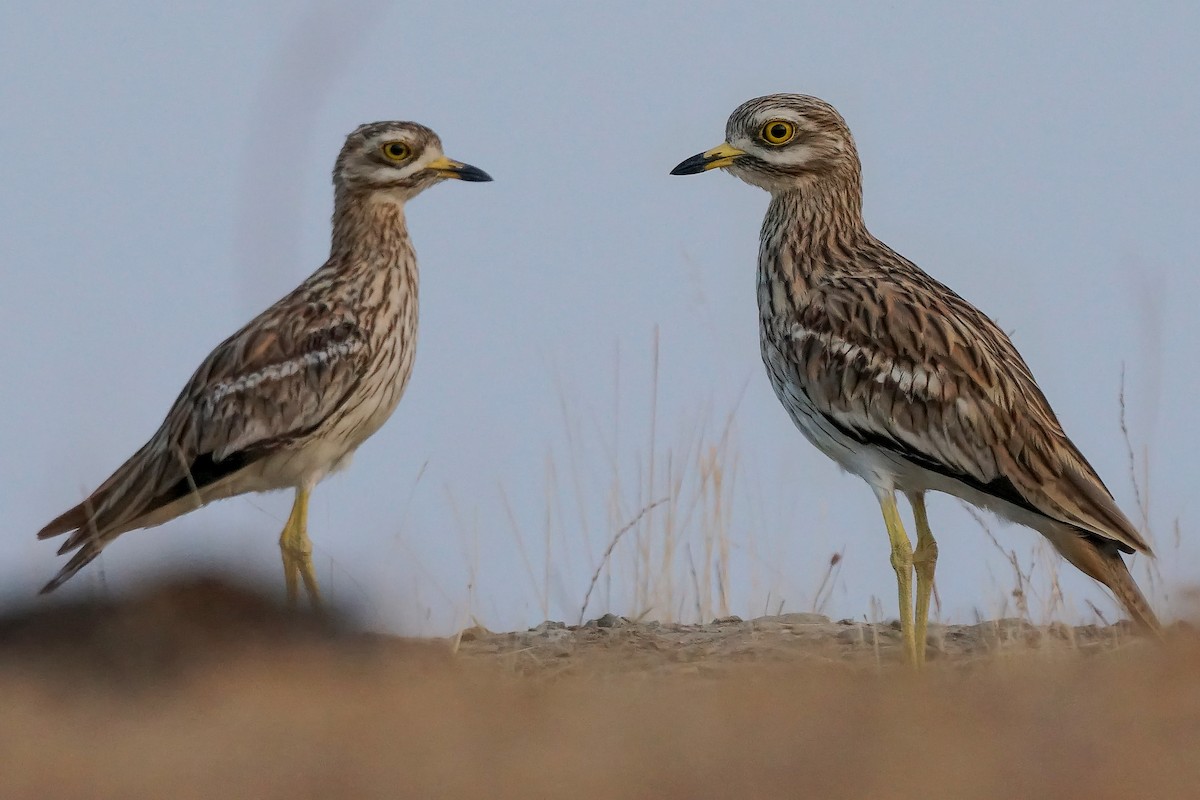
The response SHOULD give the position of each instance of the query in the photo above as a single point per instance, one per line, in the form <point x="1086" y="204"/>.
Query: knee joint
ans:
<point x="926" y="553"/>
<point x="902" y="559"/>
<point x="297" y="548"/>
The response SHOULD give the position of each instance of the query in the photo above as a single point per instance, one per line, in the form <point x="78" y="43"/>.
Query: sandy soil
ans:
<point x="204" y="690"/>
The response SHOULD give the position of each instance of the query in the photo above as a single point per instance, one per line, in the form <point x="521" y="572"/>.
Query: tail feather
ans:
<point x="1100" y="559"/>
<point x="1120" y="582"/>
<point x="1098" y="504"/>
<point x="78" y="538"/>
<point x="148" y="489"/>
<point x="105" y="513"/>
<point x="109" y="515"/>
<point x="84" y="556"/>
<point x="69" y="520"/>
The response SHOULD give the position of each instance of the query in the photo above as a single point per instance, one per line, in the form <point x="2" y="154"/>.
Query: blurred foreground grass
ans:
<point x="201" y="689"/>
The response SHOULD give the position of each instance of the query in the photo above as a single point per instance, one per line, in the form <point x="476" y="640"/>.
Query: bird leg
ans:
<point x="296" y="549"/>
<point x="902" y="563"/>
<point x="924" y="562"/>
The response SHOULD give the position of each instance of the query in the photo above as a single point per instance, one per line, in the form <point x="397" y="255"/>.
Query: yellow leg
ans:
<point x="924" y="562"/>
<point x="296" y="549"/>
<point x="902" y="563"/>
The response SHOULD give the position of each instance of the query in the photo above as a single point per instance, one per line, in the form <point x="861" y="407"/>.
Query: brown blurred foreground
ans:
<point x="204" y="690"/>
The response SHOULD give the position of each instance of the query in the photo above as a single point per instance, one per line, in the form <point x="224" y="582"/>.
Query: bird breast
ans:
<point x="393" y="347"/>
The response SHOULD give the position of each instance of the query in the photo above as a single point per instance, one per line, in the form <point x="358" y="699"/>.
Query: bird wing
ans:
<point x="272" y="383"/>
<point x="269" y="385"/>
<point x="904" y="363"/>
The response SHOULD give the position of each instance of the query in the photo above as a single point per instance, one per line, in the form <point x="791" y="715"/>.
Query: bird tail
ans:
<point x="1100" y="559"/>
<point x="69" y="520"/>
<point x="85" y="538"/>
<point x="1120" y="582"/>
<point x="98" y="519"/>
<point x="86" y="553"/>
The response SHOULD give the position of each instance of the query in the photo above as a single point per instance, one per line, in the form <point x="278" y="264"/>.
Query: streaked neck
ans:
<point x="369" y="228"/>
<point x="812" y="228"/>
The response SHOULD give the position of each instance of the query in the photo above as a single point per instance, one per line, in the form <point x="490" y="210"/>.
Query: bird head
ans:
<point x="399" y="158"/>
<point x="781" y="142"/>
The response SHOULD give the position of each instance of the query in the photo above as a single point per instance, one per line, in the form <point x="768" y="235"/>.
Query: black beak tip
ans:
<point x="691" y="166"/>
<point x="473" y="174"/>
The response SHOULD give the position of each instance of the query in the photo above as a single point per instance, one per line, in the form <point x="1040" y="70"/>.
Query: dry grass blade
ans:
<point x="1021" y="589"/>
<point x="835" y="565"/>
<point x="608" y="551"/>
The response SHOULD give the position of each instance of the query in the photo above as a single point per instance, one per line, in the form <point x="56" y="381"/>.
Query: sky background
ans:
<point x="588" y="322"/>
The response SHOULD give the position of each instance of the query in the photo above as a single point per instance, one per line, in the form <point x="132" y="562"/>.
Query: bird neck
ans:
<point x="369" y="229"/>
<point x="811" y="228"/>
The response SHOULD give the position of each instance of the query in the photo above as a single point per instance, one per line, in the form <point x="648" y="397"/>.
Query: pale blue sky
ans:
<point x="167" y="176"/>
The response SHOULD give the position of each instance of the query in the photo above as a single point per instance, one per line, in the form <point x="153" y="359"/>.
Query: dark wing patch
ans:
<point x="1001" y="488"/>
<point x="204" y="471"/>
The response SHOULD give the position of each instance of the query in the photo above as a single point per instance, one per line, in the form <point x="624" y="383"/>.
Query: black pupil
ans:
<point x="395" y="150"/>
<point x="778" y="131"/>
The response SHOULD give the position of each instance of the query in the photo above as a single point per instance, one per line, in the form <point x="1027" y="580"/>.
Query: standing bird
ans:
<point x="287" y="399"/>
<point x="893" y="375"/>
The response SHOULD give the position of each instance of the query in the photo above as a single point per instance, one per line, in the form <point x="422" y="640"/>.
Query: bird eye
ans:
<point x="778" y="132"/>
<point x="396" y="151"/>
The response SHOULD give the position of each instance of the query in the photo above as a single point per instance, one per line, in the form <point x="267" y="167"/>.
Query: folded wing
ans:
<point x="913" y="368"/>
<point x="266" y="388"/>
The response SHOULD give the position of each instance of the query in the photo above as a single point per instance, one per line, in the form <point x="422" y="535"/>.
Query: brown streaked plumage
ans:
<point x="288" y="398"/>
<point x="893" y="375"/>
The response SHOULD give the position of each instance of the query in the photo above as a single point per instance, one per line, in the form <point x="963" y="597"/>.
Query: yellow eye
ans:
<point x="778" y="131"/>
<point x="396" y="151"/>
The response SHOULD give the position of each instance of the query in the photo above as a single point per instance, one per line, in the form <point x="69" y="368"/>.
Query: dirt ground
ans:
<point x="617" y="644"/>
<point x="202" y="689"/>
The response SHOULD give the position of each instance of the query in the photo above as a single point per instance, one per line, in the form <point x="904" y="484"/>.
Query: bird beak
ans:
<point x="720" y="156"/>
<point x="449" y="168"/>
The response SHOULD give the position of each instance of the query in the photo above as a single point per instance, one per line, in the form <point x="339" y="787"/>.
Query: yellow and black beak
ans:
<point x="720" y="156"/>
<point x="449" y="168"/>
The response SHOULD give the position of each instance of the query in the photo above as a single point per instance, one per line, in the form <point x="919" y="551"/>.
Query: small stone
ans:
<point x="548" y="625"/>
<point x="472" y="633"/>
<point x="853" y="635"/>
<point x="611" y="621"/>
<point x="550" y="634"/>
